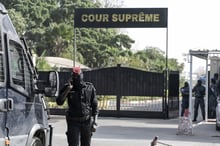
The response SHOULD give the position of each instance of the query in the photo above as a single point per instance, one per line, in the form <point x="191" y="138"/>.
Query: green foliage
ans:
<point x="48" y="28"/>
<point x="42" y="64"/>
<point x="18" y="21"/>
<point x="98" y="45"/>
<point x="153" y="59"/>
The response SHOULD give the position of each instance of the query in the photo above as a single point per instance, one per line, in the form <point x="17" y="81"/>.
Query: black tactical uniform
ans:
<point x="82" y="112"/>
<point x="185" y="97"/>
<point x="199" y="91"/>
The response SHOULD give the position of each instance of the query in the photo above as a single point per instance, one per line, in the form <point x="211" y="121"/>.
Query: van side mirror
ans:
<point x="52" y="90"/>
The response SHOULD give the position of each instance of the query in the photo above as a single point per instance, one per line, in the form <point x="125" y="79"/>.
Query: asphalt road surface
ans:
<point x="140" y="132"/>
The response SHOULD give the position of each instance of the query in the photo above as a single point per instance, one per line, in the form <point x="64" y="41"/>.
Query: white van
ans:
<point x="23" y="114"/>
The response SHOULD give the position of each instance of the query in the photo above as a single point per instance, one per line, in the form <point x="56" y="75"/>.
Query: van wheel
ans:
<point x="36" y="142"/>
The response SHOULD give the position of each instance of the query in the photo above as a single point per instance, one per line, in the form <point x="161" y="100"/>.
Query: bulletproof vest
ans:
<point x="200" y="91"/>
<point x="79" y="101"/>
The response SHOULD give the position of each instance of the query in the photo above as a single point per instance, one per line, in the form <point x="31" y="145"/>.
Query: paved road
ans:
<point x="140" y="132"/>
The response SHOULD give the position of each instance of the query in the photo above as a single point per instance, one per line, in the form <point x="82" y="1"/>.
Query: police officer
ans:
<point x="199" y="91"/>
<point x="185" y="97"/>
<point x="82" y="113"/>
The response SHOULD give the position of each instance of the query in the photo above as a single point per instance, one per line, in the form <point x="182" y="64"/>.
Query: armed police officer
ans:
<point x="82" y="113"/>
<point x="199" y="91"/>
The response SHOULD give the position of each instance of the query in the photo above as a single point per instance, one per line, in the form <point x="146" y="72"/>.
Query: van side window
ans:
<point x="20" y="72"/>
<point x="2" y="77"/>
<point x="28" y="78"/>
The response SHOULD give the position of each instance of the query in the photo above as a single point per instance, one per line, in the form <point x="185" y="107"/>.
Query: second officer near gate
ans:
<point x="199" y="91"/>
<point x="82" y="113"/>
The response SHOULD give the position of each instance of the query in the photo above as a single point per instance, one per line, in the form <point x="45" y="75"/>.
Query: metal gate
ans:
<point x="128" y="92"/>
<point x="173" y="94"/>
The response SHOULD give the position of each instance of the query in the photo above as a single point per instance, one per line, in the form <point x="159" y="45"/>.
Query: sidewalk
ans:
<point x="140" y="132"/>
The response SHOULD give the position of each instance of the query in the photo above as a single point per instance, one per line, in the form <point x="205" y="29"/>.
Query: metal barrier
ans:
<point x="128" y="92"/>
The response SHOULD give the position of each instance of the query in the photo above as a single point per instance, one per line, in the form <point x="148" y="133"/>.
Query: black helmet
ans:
<point x="186" y="84"/>
<point x="199" y="82"/>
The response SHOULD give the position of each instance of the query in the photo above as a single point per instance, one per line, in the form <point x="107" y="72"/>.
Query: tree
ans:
<point x="111" y="3"/>
<point x="97" y="45"/>
<point x="42" y="64"/>
<point x="18" y="21"/>
<point x="48" y="28"/>
<point x="153" y="59"/>
<point x="174" y="65"/>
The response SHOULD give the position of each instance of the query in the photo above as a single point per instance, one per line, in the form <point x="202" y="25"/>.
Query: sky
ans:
<point x="192" y="24"/>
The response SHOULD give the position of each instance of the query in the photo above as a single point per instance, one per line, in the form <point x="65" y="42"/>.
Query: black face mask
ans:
<point x="77" y="80"/>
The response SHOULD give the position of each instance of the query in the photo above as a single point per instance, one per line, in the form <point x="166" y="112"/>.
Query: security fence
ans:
<point x="128" y="92"/>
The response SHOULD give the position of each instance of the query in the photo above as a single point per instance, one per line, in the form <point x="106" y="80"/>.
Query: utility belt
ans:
<point x="79" y="119"/>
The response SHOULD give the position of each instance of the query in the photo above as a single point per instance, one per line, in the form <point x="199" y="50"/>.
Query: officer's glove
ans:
<point x="94" y="123"/>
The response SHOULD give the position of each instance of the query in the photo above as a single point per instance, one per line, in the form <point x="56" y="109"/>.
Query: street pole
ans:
<point x="190" y="87"/>
<point x="74" y="52"/>
<point x="166" y="88"/>
<point x="206" y="94"/>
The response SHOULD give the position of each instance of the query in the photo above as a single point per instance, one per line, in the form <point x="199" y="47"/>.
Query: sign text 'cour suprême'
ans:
<point x="120" y="17"/>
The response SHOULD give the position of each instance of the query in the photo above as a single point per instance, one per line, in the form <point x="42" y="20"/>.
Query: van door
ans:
<point x="22" y="118"/>
<point x="3" y="100"/>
